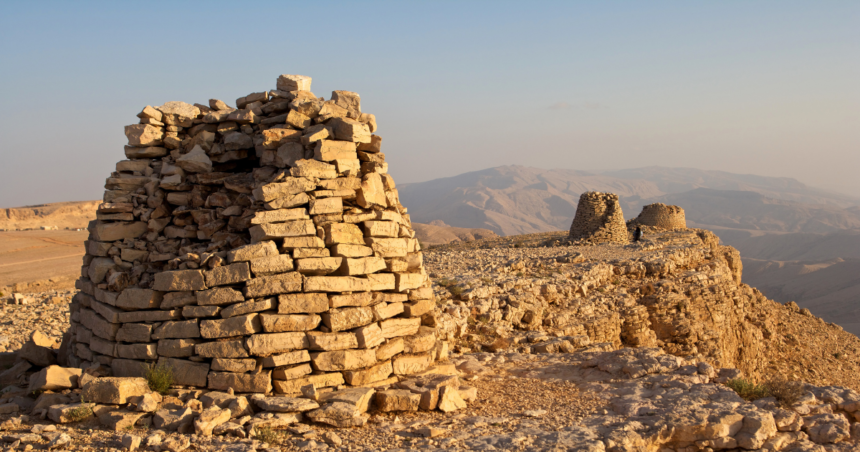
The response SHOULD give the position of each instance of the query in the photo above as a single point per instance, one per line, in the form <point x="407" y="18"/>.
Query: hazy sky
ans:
<point x="770" y="88"/>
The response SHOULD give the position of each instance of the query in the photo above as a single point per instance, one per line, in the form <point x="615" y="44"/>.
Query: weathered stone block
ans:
<point x="222" y="349"/>
<point x="219" y="296"/>
<point x="54" y="378"/>
<point x="369" y="336"/>
<point x="275" y="343"/>
<point x="331" y="341"/>
<point x="114" y="390"/>
<point x="179" y="280"/>
<point x="343" y="360"/>
<point x="397" y="400"/>
<point x="187" y="373"/>
<point x="134" y="332"/>
<point x="260" y="383"/>
<point x="229" y="274"/>
<point x="135" y="298"/>
<point x="411" y="364"/>
<point x="180" y="329"/>
<point x="418" y="308"/>
<point x="136" y="351"/>
<point x="298" y="228"/>
<point x="274" y="285"/>
<point x="234" y="326"/>
<point x="399" y="327"/>
<point x="319" y="381"/>
<point x="271" y="265"/>
<point x="285" y="359"/>
<point x="234" y="365"/>
<point x="310" y="303"/>
<point x="277" y="323"/>
<point x="347" y="318"/>
<point x="370" y="375"/>
<point x="248" y="307"/>
<point x="336" y="284"/>
<point x="343" y="233"/>
<point x="253" y="251"/>
<point x="177" y="348"/>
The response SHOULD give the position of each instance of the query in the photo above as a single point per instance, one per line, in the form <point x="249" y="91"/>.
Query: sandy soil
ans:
<point x="40" y="260"/>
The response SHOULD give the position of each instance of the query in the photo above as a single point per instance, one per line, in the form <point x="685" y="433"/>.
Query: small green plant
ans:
<point x="446" y="282"/>
<point x="788" y="393"/>
<point x="486" y="280"/>
<point x="747" y="389"/>
<point x="80" y="413"/>
<point x="455" y="290"/>
<point x="269" y="435"/>
<point x="159" y="377"/>
<point x="519" y="274"/>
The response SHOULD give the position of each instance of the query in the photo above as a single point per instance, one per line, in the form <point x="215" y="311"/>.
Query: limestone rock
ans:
<point x="209" y="419"/>
<point x="338" y="414"/>
<point x="114" y="390"/>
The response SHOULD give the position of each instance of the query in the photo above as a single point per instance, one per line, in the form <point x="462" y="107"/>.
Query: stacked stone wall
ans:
<point x="599" y="219"/>
<point x="661" y="216"/>
<point x="256" y="248"/>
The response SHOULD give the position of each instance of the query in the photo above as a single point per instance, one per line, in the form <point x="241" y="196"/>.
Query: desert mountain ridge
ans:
<point x="521" y="200"/>
<point x="63" y="215"/>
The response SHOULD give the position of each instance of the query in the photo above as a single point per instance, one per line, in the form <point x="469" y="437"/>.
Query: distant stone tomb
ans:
<point x="599" y="219"/>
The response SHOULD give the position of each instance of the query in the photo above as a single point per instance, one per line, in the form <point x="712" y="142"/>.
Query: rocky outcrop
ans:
<point x="678" y="290"/>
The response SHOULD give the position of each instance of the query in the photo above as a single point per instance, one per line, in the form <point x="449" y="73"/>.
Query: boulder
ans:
<point x="54" y="378"/>
<point x="114" y="390"/>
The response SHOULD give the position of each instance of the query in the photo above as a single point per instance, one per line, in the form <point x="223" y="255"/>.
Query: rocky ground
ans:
<point x="556" y="348"/>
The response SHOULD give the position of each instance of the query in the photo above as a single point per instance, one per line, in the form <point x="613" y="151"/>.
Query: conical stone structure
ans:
<point x="599" y="219"/>
<point x="256" y="248"/>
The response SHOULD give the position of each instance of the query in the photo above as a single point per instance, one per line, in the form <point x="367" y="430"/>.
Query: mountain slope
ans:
<point x="754" y="211"/>
<point x="439" y="233"/>
<point x="511" y="199"/>
<point x="675" y="180"/>
<point x="829" y="289"/>
<point x="518" y="200"/>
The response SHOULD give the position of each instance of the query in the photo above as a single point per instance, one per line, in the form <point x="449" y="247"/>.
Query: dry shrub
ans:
<point x="269" y="435"/>
<point x="747" y="389"/>
<point x="787" y="392"/>
<point x="159" y="377"/>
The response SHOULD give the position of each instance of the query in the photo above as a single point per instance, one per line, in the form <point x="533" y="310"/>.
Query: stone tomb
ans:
<point x="599" y="219"/>
<point x="255" y="248"/>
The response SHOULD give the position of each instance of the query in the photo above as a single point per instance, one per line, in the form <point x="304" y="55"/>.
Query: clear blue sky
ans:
<point x="765" y="87"/>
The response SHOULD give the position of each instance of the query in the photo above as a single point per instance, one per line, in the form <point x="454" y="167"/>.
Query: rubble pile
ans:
<point x="599" y="219"/>
<point x="258" y="248"/>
